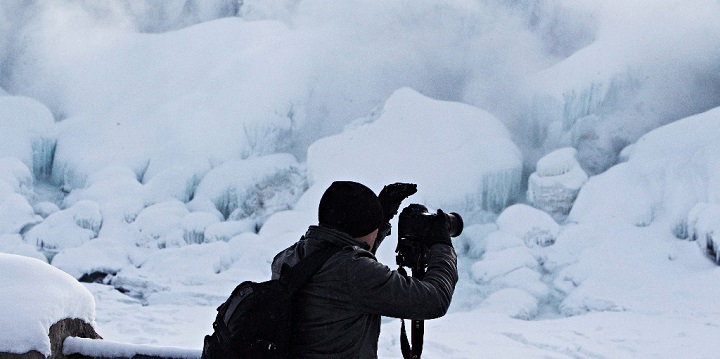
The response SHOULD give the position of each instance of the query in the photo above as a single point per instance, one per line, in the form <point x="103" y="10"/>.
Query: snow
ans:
<point x="108" y="348"/>
<point x="28" y="313"/>
<point x="167" y="151"/>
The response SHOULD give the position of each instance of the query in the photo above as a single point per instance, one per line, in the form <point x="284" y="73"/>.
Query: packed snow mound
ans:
<point x="35" y="296"/>
<point x="668" y="172"/>
<point x="461" y="157"/>
<point x="28" y="133"/>
<point x="556" y="182"/>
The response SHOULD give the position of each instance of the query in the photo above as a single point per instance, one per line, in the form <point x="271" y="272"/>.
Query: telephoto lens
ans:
<point x="454" y="223"/>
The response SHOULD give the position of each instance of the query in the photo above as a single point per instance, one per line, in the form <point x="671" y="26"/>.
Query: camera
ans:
<point x="413" y="224"/>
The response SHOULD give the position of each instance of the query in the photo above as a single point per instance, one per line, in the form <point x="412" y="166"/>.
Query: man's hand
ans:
<point x="390" y="198"/>
<point x="392" y="195"/>
<point x="438" y="231"/>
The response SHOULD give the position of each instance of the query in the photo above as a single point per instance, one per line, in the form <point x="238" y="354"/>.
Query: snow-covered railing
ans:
<point x="83" y="348"/>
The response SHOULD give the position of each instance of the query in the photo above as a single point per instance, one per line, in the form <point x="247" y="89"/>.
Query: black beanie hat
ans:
<point x="350" y="207"/>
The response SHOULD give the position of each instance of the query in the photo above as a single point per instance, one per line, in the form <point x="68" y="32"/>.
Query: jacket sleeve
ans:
<point x="376" y="289"/>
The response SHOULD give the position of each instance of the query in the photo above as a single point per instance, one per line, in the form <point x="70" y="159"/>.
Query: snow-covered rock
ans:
<point x="106" y="185"/>
<point x="556" y="182"/>
<point x="461" y="156"/>
<point x="177" y="183"/>
<point x="45" y="208"/>
<point x="500" y="263"/>
<point x="254" y="188"/>
<point x="14" y="244"/>
<point x="194" y="225"/>
<point x="29" y="310"/>
<point x="16" y="214"/>
<point x="512" y="302"/>
<point x="160" y="225"/>
<point x="15" y="177"/>
<point x="67" y="228"/>
<point x="101" y="255"/>
<point x="533" y="226"/>
<point x="224" y="231"/>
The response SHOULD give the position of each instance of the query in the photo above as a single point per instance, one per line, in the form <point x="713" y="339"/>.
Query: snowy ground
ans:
<point x="166" y="151"/>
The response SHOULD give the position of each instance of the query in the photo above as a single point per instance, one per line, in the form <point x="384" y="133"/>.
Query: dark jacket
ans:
<point x="338" y="311"/>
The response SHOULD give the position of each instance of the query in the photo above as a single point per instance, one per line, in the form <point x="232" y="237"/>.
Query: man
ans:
<point x="337" y="314"/>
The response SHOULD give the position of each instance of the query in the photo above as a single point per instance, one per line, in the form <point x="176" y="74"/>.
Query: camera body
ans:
<point x="413" y="225"/>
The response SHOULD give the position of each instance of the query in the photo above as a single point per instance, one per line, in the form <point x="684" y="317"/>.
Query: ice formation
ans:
<point x="28" y="130"/>
<point x="556" y="182"/>
<point x="461" y="157"/>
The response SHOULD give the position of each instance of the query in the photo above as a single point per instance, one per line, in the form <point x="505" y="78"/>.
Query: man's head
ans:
<point x="350" y="207"/>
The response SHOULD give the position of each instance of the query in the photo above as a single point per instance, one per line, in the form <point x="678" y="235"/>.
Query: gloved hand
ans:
<point x="438" y="231"/>
<point x="392" y="195"/>
<point x="390" y="198"/>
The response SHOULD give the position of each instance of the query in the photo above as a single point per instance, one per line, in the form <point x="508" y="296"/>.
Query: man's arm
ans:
<point x="375" y="289"/>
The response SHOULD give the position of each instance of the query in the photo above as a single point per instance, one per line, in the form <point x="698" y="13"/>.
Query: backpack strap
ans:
<point x="298" y="275"/>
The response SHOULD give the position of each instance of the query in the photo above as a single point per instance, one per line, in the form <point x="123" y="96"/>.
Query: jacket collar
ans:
<point x="338" y="238"/>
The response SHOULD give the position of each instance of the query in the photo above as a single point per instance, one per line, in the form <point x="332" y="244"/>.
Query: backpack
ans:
<point x="255" y="321"/>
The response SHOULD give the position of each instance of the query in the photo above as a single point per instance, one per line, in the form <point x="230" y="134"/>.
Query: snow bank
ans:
<point x="461" y="156"/>
<point x="35" y="296"/>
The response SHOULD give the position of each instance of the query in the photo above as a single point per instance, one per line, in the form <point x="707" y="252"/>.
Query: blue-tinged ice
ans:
<point x="28" y="133"/>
